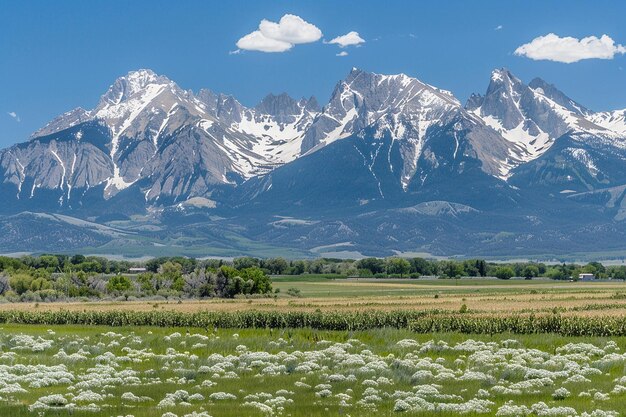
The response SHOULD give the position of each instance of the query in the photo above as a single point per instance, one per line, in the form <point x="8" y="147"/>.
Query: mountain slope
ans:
<point x="529" y="116"/>
<point x="389" y="163"/>
<point x="165" y="143"/>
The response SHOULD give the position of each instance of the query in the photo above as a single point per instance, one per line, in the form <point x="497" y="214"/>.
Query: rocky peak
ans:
<point x="501" y="101"/>
<point x="279" y="105"/>
<point x="556" y="95"/>
<point x="133" y="83"/>
<point x="62" y="122"/>
<point x="474" y="102"/>
<point x="311" y="104"/>
<point x="209" y="99"/>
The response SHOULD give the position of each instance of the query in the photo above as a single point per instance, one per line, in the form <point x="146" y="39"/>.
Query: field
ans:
<point x="87" y="371"/>
<point x="481" y="296"/>
<point x="399" y="347"/>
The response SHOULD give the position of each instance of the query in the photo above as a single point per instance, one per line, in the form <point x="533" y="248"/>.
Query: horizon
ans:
<point x="46" y="79"/>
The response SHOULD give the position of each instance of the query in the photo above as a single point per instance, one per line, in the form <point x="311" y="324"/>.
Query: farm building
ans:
<point x="586" y="277"/>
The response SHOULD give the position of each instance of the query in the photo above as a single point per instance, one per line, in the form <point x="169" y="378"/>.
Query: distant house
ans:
<point x="586" y="277"/>
<point x="136" y="270"/>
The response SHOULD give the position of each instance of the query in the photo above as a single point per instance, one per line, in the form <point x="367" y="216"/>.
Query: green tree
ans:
<point x="275" y="266"/>
<point x="148" y="282"/>
<point x="77" y="259"/>
<point x="375" y="265"/>
<point x="398" y="266"/>
<point x="261" y="281"/>
<point x="481" y="265"/>
<point x="452" y="269"/>
<point x="119" y="284"/>
<point x="558" y="272"/>
<point x="470" y="269"/>
<point x="40" y="284"/>
<point x="245" y="262"/>
<point x="504" y="272"/>
<point x="20" y="283"/>
<point x="619" y="273"/>
<point x="530" y="271"/>
<point x="422" y="266"/>
<point x="173" y="272"/>
<point x="49" y="262"/>
<point x="298" y="267"/>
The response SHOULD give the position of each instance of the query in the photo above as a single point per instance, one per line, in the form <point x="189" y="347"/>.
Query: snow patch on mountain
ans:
<point x="583" y="157"/>
<point x="611" y="120"/>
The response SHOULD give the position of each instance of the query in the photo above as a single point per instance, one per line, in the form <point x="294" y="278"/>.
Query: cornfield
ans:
<point x="519" y="324"/>
<point x="417" y="321"/>
<point x="241" y="320"/>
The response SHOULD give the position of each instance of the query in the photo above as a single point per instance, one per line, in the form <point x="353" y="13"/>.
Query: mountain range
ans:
<point x="389" y="165"/>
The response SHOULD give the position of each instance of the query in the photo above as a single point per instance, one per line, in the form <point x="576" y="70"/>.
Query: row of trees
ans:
<point x="417" y="267"/>
<point x="41" y="266"/>
<point x="480" y="268"/>
<point x="170" y="280"/>
<point x="66" y="263"/>
<point x="50" y="277"/>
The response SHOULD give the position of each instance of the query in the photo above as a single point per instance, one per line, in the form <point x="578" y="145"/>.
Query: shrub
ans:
<point x="20" y="283"/>
<point x="294" y="292"/>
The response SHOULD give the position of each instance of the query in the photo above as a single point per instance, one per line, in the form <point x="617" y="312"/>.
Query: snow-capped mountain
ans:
<point x="531" y="116"/>
<point x="404" y="108"/>
<point x="350" y="170"/>
<point x="150" y="132"/>
<point x="172" y="144"/>
<point x="363" y="98"/>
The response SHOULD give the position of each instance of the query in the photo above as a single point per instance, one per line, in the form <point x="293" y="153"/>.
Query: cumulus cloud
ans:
<point x="15" y="116"/>
<point x="292" y="29"/>
<point x="280" y="37"/>
<point x="256" y="41"/>
<point x="342" y="53"/>
<point x="552" y="47"/>
<point x="349" y="39"/>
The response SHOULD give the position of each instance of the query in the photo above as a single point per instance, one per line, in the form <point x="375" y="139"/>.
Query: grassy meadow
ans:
<point x="146" y="371"/>
<point x="272" y="370"/>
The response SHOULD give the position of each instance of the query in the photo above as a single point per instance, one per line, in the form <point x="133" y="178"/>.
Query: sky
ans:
<point x="55" y="56"/>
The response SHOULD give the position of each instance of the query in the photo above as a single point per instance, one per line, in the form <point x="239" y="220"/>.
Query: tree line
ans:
<point x="47" y="279"/>
<point x="52" y="277"/>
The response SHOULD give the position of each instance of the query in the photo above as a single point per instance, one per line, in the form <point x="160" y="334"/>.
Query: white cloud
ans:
<point x="342" y="53"/>
<point x="292" y="29"/>
<point x="499" y="27"/>
<point x="552" y="47"/>
<point x="15" y="116"/>
<point x="349" y="39"/>
<point x="256" y="41"/>
<point x="281" y="36"/>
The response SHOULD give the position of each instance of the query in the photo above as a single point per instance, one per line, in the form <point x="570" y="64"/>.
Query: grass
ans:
<point x="164" y="364"/>
<point x="316" y="292"/>
<point x="175" y="368"/>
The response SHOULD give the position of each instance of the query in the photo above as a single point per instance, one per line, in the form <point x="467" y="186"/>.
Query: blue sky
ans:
<point x="55" y="56"/>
